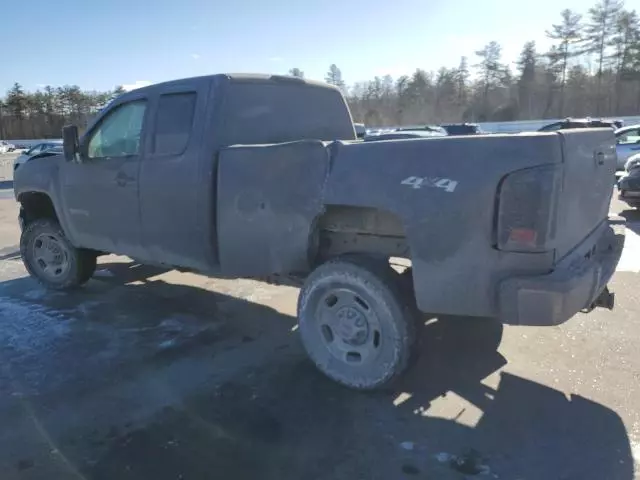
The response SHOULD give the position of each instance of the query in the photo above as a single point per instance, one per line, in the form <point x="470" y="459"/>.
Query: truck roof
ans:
<point x="239" y="78"/>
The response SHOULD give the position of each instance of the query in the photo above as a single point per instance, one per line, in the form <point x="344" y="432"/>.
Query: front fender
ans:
<point x="41" y="176"/>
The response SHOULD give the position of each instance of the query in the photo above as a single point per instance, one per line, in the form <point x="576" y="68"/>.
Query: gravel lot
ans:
<point x="149" y="374"/>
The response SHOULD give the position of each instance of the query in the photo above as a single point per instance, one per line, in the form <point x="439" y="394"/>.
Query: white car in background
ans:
<point x="627" y="143"/>
<point x="6" y="147"/>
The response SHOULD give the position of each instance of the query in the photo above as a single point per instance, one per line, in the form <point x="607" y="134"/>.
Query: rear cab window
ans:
<point x="258" y="113"/>
<point x="173" y="123"/>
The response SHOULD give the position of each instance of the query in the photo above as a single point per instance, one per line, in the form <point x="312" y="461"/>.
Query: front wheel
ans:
<point x="50" y="258"/>
<point x="355" y="322"/>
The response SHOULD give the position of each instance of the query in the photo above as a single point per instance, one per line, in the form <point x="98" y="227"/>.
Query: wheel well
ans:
<point x="36" y="205"/>
<point x="345" y="229"/>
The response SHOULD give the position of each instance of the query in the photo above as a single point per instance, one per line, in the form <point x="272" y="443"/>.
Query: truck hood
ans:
<point x="39" y="174"/>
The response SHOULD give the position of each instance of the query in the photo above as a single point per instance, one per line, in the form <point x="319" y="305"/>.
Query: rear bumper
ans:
<point x="575" y="284"/>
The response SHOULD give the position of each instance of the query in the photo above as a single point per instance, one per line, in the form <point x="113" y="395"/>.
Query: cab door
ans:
<point x="100" y="193"/>
<point x="176" y="178"/>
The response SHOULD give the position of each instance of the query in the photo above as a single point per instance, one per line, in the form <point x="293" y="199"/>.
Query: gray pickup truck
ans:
<point x="255" y="176"/>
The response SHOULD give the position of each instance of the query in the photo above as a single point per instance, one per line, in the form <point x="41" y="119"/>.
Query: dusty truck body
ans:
<point x="251" y="176"/>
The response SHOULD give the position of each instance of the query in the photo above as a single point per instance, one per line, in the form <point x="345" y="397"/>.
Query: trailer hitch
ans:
<point x="606" y="299"/>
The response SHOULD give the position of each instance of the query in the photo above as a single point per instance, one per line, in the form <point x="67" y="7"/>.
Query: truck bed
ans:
<point x="435" y="199"/>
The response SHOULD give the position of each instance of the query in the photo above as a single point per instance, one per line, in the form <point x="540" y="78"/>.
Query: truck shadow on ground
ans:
<point x="276" y="417"/>
<point x="632" y="216"/>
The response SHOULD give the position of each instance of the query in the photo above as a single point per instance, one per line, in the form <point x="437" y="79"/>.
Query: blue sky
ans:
<point x="98" y="44"/>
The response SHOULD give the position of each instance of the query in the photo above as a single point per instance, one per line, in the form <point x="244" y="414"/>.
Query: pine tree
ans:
<point x="16" y="105"/>
<point x="568" y="35"/>
<point x="527" y="63"/>
<point x="625" y="40"/>
<point x="296" y="72"/>
<point x="598" y="35"/>
<point x="462" y="80"/>
<point x="334" y="77"/>
<point x="490" y="69"/>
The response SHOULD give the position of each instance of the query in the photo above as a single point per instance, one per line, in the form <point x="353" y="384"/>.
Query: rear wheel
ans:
<point x="50" y="258"/>
<point x="355" y="322"/>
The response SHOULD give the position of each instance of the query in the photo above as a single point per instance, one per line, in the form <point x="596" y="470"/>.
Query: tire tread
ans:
<point x="83" y="265"/>
<point x="374" y="275"/>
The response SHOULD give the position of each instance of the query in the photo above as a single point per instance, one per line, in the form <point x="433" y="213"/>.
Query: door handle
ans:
<point x="122" y="179"/>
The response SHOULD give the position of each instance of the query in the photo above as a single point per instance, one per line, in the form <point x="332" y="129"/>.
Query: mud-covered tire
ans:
<point x="69" y="268"/>
<point x="355" y="322"/>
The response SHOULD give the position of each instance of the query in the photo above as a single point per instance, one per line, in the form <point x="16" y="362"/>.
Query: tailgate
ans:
<point x="589" y="157"/>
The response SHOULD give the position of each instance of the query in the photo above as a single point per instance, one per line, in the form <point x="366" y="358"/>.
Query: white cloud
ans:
<point x="195" y="56"/>
<point x="136" y="84"/>
<point x="276" y="59"/>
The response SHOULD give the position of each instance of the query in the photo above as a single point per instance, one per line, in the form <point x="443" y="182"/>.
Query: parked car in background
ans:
<point x="627" y="144"/>
<point x="424" y="128"/>
<point x="462" y="128"/>
<point x="568" y="123"/>
<point x="361" y="130"/>
<point x="6" y="147"/>
<point x="403" y="134"/>
<point x="629" y="184"/>
<point x="36" y="150"/>
<point x="631" y="162"/>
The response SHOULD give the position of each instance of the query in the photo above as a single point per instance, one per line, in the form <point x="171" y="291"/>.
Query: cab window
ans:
<point x="118" y="135"/>
<point x="174" y="121"/>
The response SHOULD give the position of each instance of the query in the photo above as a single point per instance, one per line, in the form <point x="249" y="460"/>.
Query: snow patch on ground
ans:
<point x="635" y="452"/>
<point x="630" y="260"/>
<point x="31" y="336"/>
<point x="27" y="326"/>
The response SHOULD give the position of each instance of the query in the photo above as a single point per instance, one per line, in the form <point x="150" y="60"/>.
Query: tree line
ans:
<point x="43" y="113"/>
<point x="591" y="69"/>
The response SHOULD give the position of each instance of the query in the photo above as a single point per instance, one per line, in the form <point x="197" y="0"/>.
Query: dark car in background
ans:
<point x="629" y="187"/>
<point x="37" y="150"/>
<point x="629" y="183"/>
<point x="627" y="144"/>
<point x="462" y="129"/>
<point x="361" y="130"/>
<point x="569" y="123"/>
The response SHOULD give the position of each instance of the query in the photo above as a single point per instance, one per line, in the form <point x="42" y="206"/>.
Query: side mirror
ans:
<point x="70" y="143"/>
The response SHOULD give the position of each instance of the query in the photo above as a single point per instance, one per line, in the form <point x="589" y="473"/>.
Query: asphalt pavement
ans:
<point x="154" y="374"/>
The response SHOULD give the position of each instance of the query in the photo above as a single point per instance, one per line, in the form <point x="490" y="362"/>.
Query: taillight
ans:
<point x="526" y="213"/>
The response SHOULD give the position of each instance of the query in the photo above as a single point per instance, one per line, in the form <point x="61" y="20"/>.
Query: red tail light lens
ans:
<point x="526" y="213"/>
